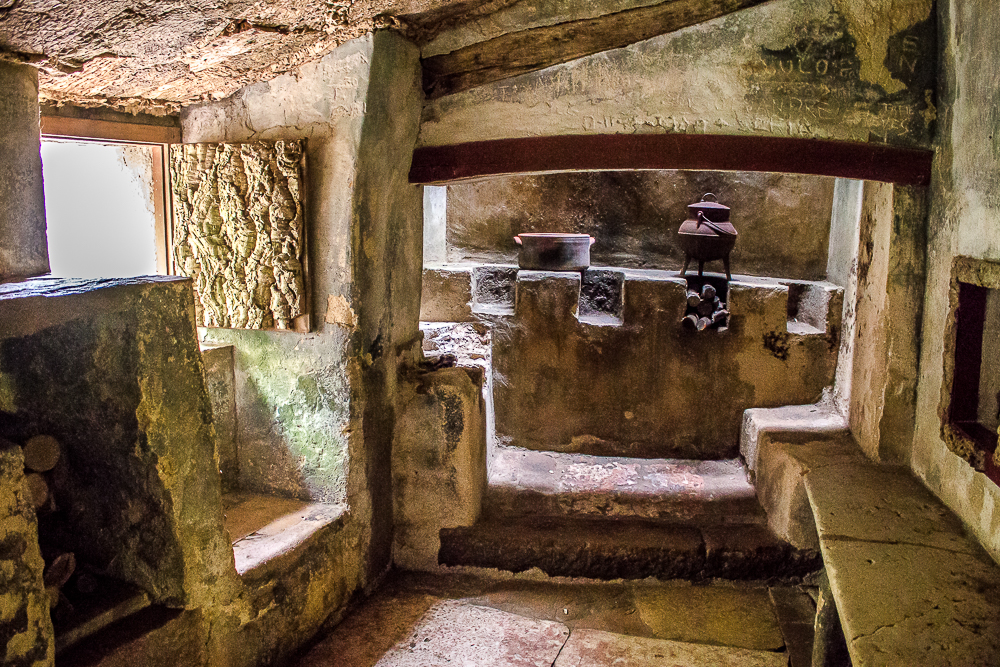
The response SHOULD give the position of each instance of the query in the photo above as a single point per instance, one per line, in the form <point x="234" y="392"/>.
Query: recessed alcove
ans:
<point x="971" y="401"/>
<point x="263" y="527"/>
<point x="599" y="360"/>
<point x="109" y="370"/>
<point x="807" y="308"/>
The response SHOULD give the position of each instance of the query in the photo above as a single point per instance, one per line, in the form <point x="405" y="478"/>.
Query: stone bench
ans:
<point x="911" y="586"/>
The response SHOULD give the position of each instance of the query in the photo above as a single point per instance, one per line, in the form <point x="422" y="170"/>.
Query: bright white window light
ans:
<point x="99" y="209"/>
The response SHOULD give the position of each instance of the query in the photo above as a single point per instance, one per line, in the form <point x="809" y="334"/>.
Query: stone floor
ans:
<point x="424" y="620"/>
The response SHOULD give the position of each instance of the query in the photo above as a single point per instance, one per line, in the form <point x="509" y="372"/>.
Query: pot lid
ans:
<point x="554" y="235"/>
<point x="705" y="204"/>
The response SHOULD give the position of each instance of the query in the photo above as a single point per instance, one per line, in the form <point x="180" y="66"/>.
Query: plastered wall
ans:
<point x="964" y="221"/>
<point x="316" y="411"/>
<point x="293" y="395"/>
<point x="889" y="279"/>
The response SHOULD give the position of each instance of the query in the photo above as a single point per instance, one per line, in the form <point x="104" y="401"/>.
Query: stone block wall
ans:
<point x="26" y="637"/>
<point x="439" y="462"/>
<point x="642" y="385"/>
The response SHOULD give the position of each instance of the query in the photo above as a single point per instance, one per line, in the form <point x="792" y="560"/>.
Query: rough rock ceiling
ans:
<point x="158" y="55"/>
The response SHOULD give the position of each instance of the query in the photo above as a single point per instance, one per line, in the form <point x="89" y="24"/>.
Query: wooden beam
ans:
<point x="83" y="129"/>
<point x="537" y="48"/>
<point x="711" y="152"/>
<point x="162" y="209"/>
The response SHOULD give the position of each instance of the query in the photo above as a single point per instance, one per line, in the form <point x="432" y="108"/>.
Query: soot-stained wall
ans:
<point x="783" y="220"/>
<point x="837" y="69"/>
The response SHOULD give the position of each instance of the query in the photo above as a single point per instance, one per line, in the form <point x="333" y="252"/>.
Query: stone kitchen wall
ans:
<point x="964" y="222"/>
<point x="783" y="220"/>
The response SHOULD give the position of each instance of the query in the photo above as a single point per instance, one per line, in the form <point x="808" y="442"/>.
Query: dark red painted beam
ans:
<point x="710" y="152"/>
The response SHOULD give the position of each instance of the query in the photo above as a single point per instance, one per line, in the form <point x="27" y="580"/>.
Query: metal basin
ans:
<point x="554" y="252"/>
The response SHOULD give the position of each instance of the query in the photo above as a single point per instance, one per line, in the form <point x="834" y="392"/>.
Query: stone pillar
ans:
<point x="888" y="313"/>
<point x="23" y="245"/>
<point x="439" y="462"/>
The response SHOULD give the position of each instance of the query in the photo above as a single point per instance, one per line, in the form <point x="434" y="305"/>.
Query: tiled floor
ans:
<point x="427" y="621"/>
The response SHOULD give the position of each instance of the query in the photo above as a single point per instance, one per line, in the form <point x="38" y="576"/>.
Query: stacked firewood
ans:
<point x="41" y="454"/>
<point x="705" y="310"/>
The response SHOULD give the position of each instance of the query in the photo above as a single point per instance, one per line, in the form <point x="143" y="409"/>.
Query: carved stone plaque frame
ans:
<point x="239" y="232"/>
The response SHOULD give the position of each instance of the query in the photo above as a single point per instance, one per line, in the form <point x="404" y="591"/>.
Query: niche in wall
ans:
<point x="971" y="397"/>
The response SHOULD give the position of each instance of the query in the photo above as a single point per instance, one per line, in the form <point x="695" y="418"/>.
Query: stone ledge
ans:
<point x="792" y="423"/>
<point x="624" y="548"/>
<point x="780" y="445"/>
<point x="526" y="483"/>
<point x="911" y="586"/>
<point x="460" y="293"/>
<point x="268" y="531"/>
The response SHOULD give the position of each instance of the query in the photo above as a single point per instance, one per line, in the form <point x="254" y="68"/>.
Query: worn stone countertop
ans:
<point x="912" y="587"/>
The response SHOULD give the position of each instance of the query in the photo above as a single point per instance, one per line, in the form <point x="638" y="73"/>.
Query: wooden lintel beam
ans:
<point x="85" y="129"/>
<point x="710" y="152"/>
<point x="537" y="48"/>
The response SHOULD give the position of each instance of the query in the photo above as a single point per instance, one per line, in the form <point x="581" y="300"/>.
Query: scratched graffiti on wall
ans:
<point x="239" y="231"/>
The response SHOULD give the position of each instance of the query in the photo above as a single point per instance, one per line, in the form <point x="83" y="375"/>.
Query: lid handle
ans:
<point x="705" y="196"/>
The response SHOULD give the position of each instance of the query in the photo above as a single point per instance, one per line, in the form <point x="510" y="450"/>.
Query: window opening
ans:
<point x="100" y="209"/>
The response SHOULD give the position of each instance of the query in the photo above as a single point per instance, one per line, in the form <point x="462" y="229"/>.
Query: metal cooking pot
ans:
<point x="707" y="235"/>
<point x="554" y="252"/>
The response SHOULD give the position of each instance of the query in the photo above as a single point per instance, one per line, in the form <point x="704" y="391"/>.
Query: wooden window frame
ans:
<point x="157" y="137"/>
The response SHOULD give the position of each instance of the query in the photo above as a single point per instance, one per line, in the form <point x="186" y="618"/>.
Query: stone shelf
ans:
<point x="473" y="292"/>
<point x="265" y="529"/>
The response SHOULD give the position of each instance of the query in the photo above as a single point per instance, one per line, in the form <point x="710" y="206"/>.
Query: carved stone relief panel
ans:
<point x="239" y="231"/>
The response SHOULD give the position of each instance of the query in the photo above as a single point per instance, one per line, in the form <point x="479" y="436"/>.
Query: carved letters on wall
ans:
<point x="239" y="232"/>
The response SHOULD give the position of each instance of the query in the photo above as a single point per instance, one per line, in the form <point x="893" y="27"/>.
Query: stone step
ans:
<point x="625" y="548"/>
<point x="525" y="482"/>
